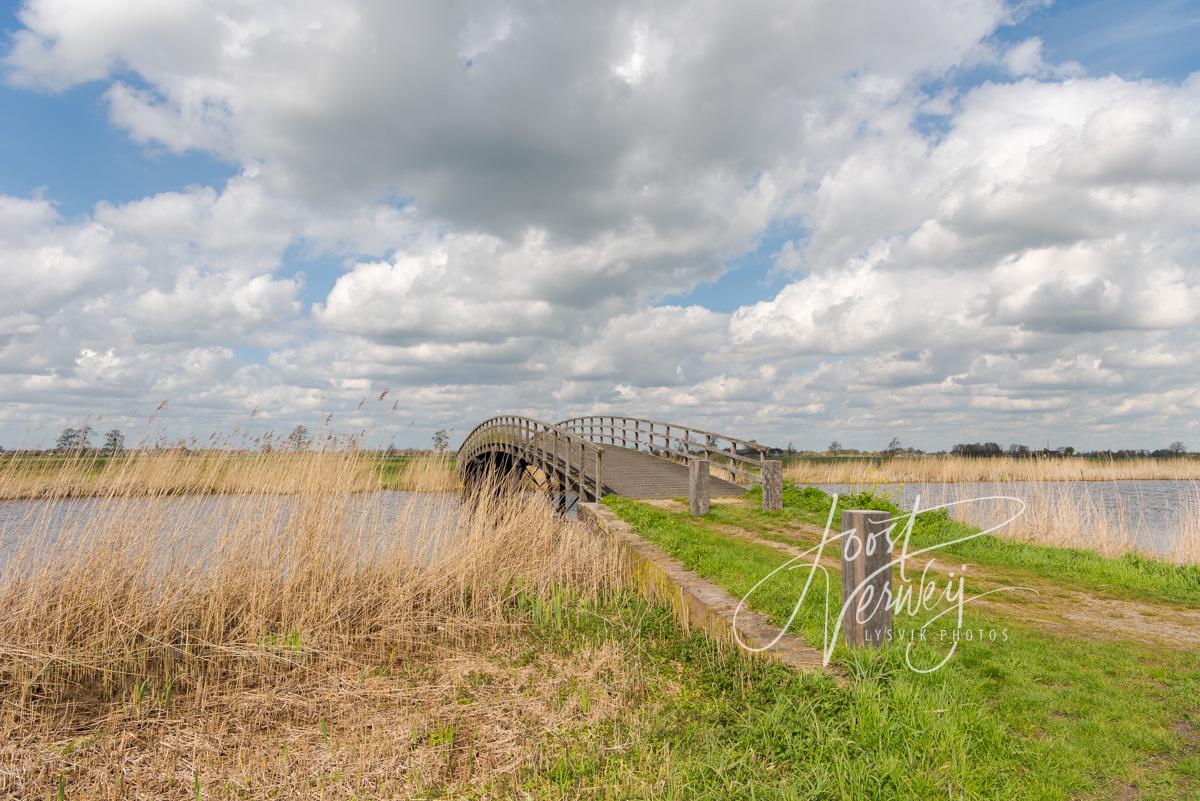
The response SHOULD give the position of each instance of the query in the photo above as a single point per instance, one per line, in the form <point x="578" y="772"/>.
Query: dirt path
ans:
<point x="1066" y="610"/>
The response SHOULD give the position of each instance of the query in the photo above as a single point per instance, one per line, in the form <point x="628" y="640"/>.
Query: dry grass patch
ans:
<point x="465" y="721"/>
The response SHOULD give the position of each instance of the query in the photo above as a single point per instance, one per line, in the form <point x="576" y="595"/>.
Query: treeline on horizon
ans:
<point x="78" y="441"/>
<point x="986" y="450"/>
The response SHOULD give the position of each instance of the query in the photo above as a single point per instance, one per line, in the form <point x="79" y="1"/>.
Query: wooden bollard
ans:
<point x="772" y="485"/>
<point x="698" y="486"/>
<point x="866" y="547"/>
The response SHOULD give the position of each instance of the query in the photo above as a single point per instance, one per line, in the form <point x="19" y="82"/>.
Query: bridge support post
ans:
<point x="866" y="578"/>
<point x="772" y="485"/>
<point x="599" y="473"/>
<point x="698" y="486"/>
<point x="580" y="490"/>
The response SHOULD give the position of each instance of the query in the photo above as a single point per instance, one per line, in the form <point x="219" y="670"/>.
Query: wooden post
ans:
<point x="559" y="496"/>
<point x="579" y="485"/>
<point x="698" y="486"/>
<point x="867" y="616"/>
<point x="599" y="473"/>
<point x="772" y="485"/>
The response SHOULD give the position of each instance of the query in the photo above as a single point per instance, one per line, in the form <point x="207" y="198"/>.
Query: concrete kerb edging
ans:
<point x="696" y="602"/>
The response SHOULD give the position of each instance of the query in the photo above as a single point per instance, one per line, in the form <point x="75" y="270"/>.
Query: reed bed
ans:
<point x="157" y="642"/>
<point x="1066" y="515"/>
<point x="426" y="473"/>
<point x="950" y="469"/>
<point x="182" y="472"/>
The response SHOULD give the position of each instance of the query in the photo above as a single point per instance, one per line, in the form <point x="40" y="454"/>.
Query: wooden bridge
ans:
<point x="586" y="458"/>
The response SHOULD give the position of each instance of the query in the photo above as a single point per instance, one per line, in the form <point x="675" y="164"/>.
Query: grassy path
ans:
<point x="1045" y="712"/>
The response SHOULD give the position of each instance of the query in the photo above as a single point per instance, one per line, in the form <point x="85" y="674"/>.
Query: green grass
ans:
<point x="1131" y="576"/>
<point x="1036" y="716"/>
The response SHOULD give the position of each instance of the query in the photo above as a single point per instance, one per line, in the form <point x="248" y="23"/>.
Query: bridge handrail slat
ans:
<point x="610" y="429"/>
<point x="523" y="434"/>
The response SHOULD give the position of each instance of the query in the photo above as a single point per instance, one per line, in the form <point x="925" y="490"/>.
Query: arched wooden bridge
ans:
<point x="589" y="457"/>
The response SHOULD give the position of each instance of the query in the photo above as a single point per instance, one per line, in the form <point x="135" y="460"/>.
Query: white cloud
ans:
<point x="512" y="187"/>
<point x="1025" y="58"/>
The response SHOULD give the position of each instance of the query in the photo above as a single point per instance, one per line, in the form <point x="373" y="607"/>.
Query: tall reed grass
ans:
<point x="217" y="471"/>
<point x="154" y="609"/>
<point x="966" y="469"/>
<point x="1069" y="515"/>
<point x="1066" y="514"/>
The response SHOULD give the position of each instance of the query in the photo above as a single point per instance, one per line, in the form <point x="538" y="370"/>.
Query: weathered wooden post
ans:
<point x="698" y="486"/>
<point x="579" y="485"/>
<point x="772" y="485"/>
<point x="866" y="602"/>
<point x="599" y="473"/>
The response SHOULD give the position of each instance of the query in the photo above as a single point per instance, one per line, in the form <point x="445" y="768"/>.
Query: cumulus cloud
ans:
<point x="513" y="188"/>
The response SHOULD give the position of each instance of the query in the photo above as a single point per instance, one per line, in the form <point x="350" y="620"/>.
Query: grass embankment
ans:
<point x="1128" y="575"/>
<point x="217" y="472"/>
<point x="1034" y="714"/>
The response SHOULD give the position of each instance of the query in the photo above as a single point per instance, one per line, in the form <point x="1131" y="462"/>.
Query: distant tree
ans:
<point x="835" y="447"/>
<point x="1067" y="450"/>
<point x="790" y="449"/>
<point x="1018" y="451"/>
<point x="977" y="449"/>
<point x="74" y="440"/>
<point x="441" y="440"/>
<point x="65" y="440"/>
<point x="114" y="442"/>
<point x="1177" y="448"/>
<point x="894" y="446"/>
<point x="298" y="439"/>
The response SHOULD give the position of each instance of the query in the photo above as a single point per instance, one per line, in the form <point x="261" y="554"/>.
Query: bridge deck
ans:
<point x="636" y="474"/>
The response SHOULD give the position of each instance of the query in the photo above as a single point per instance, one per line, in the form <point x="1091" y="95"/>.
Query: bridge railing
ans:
<point x="744" y="461"/>
<point x="576" y="461"/>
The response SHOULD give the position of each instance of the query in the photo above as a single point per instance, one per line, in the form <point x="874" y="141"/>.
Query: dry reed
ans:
<point x="157" y="640"/>
<point x="427" y="473"/>
<point x="965" y="469"/>
<point x="226" y="472"/>
<point x="1067" y="514"/>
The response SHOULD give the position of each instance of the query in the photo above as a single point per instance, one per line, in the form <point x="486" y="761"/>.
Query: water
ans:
<point x="192" y="525"/>
<point x="1155" y="514"/>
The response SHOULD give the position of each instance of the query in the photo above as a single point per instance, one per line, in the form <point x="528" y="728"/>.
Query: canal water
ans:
<point x="1151" y="516"/>
<point x="192" y="525"/>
